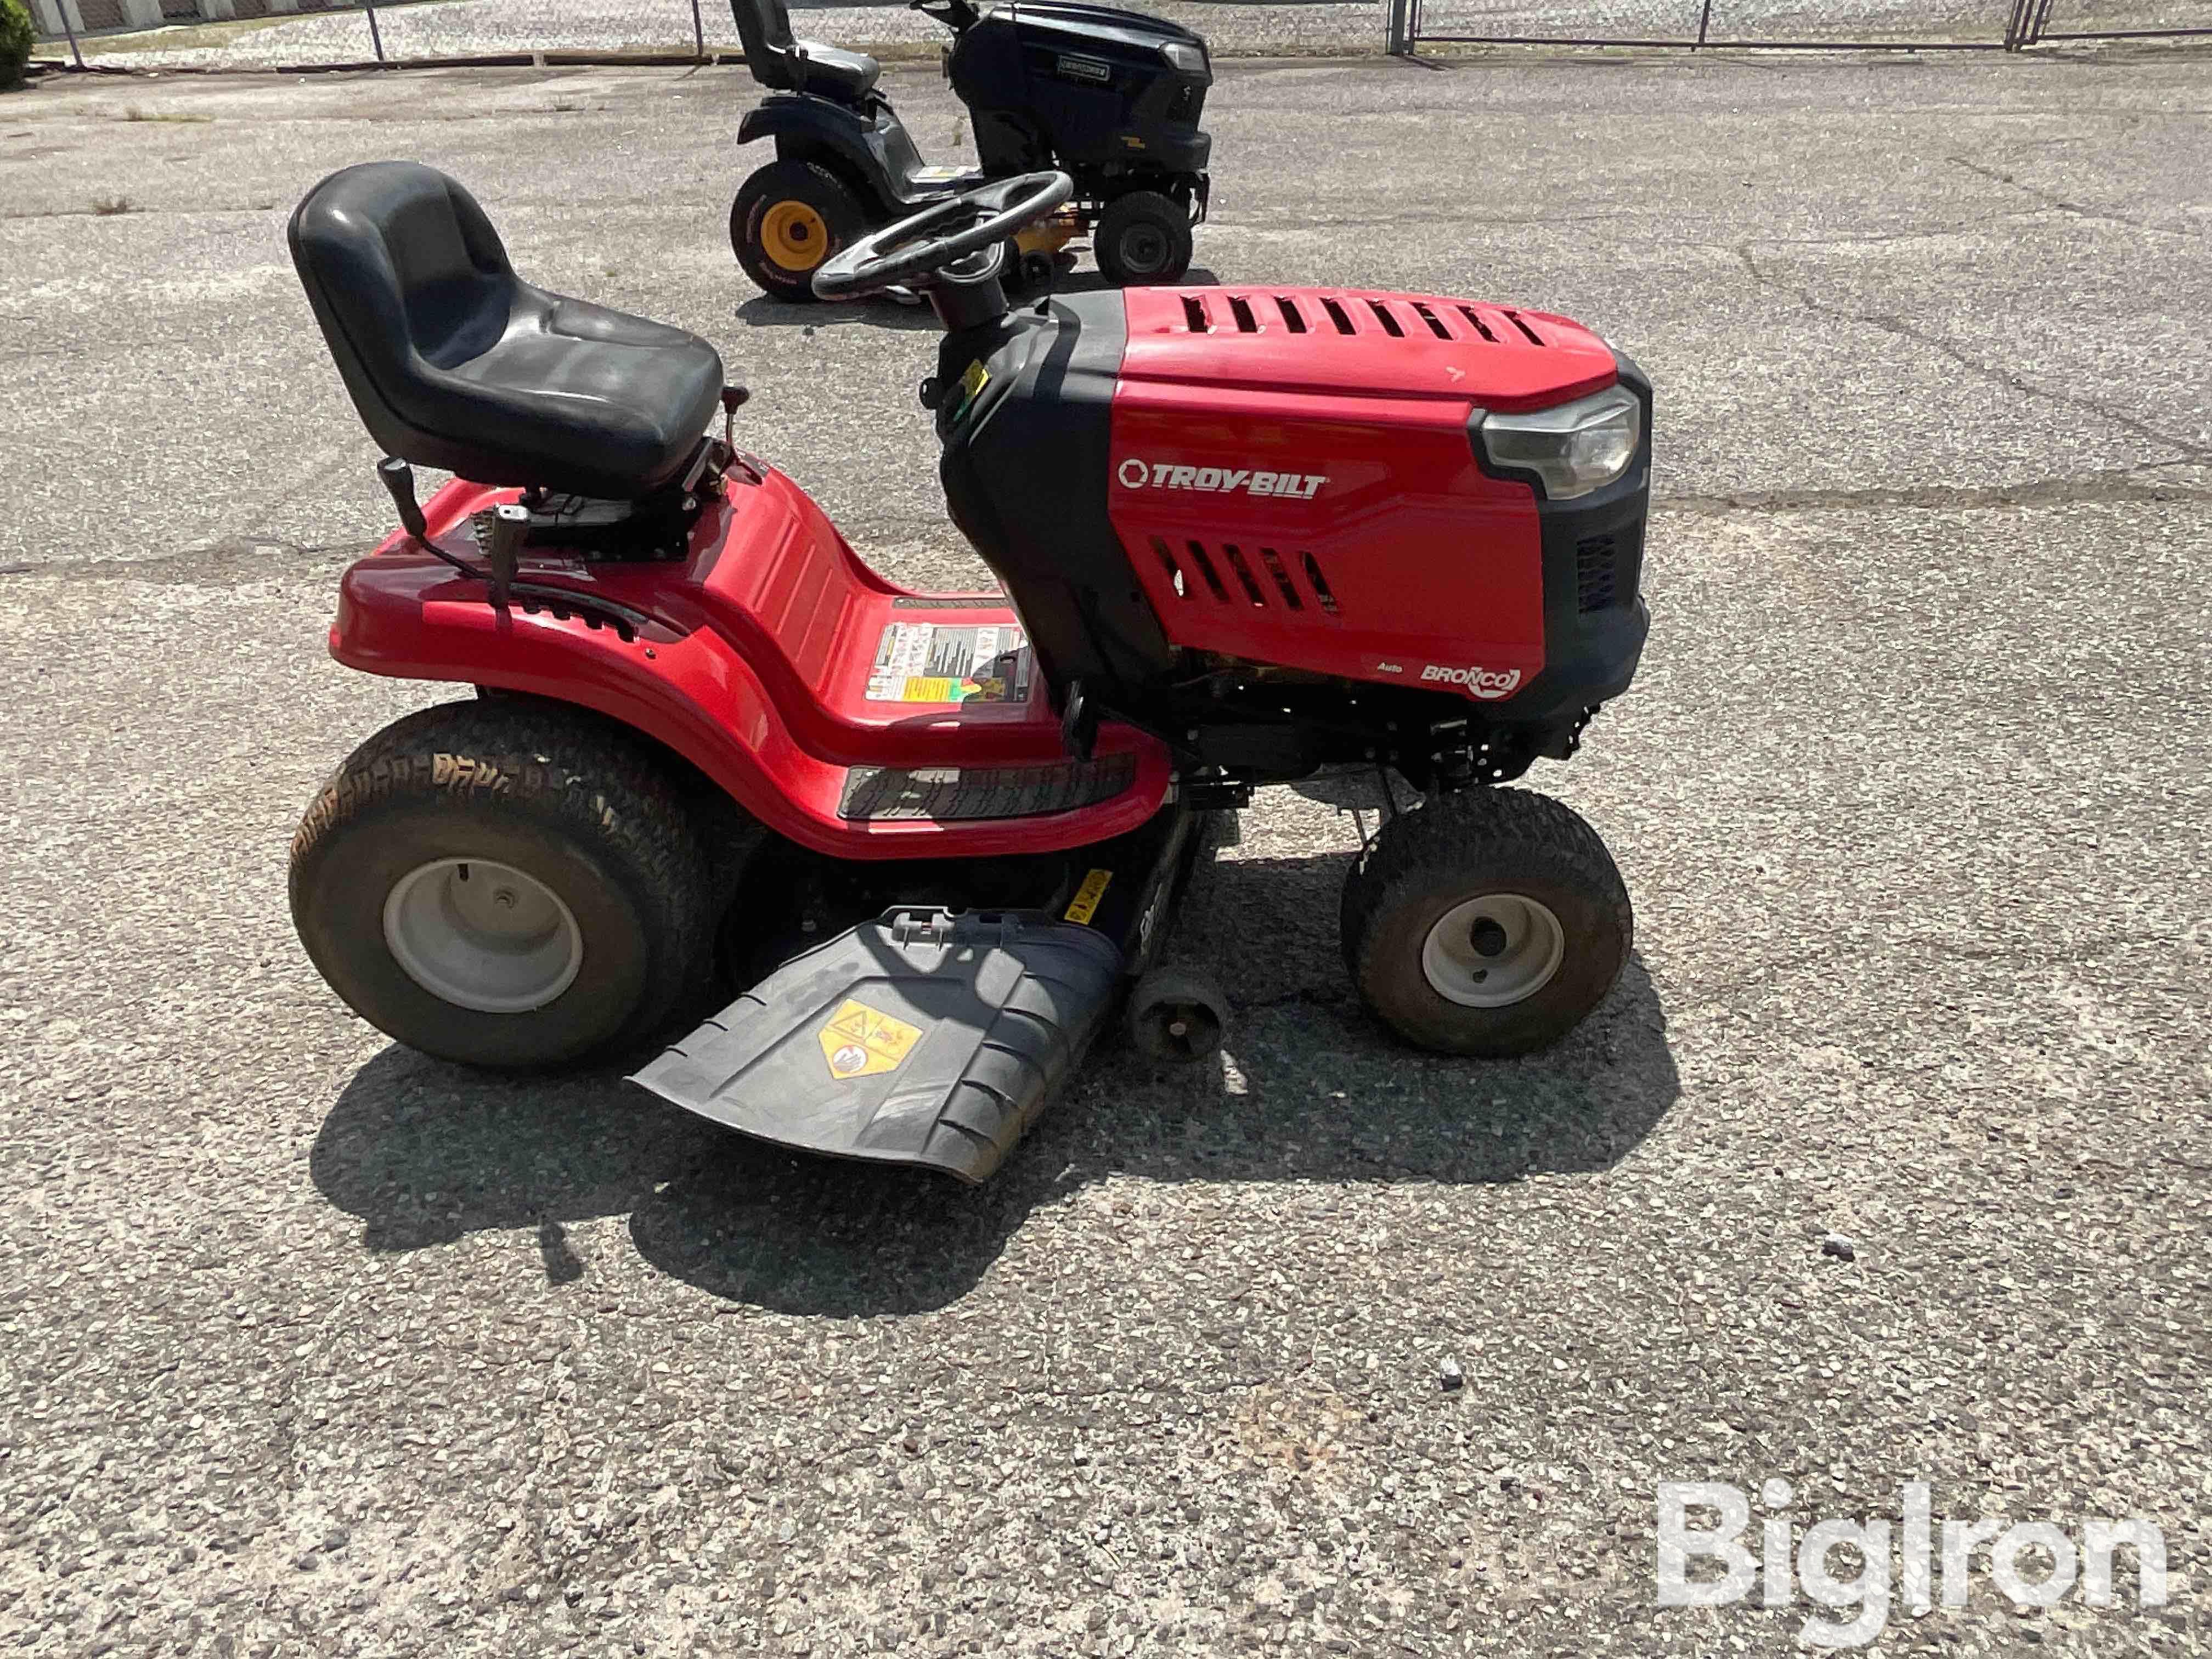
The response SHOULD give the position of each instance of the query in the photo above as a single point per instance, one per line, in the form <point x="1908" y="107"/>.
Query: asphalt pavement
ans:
<point x="308" y="1344"/>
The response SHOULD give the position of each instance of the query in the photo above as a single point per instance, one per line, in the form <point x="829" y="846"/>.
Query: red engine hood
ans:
<point x="1346" y="342"/>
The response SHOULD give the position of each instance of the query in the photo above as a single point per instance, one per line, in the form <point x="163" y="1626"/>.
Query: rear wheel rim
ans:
<point x="1144" y="249"/>
<point x="482" y="936"/>
<point x="793" y="235"/>
<point x="1493" y="952"/>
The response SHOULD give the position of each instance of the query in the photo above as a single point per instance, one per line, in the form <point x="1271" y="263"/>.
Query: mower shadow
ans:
<point x="1310" y="1090"/>
<point x="762" y="311"/>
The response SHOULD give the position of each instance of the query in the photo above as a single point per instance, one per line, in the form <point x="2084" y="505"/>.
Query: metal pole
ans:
<point x="375" y="34"/>
<point x="698" y="34"/>
<point x="1705" y="23"/>
<point x="69" y="29"/>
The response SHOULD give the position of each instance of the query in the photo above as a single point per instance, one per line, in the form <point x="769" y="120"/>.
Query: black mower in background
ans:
<point x="1110" y="98"/>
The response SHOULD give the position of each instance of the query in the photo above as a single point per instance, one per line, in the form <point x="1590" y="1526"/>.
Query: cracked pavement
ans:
<point x="309" y="1345"/>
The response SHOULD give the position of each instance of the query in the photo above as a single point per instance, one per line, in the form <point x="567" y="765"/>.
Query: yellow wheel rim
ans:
<point x="793" y="234"/>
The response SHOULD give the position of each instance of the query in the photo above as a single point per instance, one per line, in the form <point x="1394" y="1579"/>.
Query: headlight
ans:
<point x="1575" y="449"/>
<point x="1190" y="59"/>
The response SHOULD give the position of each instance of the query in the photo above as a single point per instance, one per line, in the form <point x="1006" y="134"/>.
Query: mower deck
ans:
<point x="929" y="1038"/>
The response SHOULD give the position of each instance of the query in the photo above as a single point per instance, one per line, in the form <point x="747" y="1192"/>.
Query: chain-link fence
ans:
<point x="1921" y="25"/>
<point x="2118" y="19"/>
<point x="285" y="34"/>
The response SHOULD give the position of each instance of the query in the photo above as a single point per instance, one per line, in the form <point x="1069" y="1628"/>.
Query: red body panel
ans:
<point x="1308" y="496"/>
<point x="754" y="667"/>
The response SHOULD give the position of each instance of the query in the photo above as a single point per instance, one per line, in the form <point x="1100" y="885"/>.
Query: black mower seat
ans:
<point x="784" y="64"/>
<point x="454" y="362"/>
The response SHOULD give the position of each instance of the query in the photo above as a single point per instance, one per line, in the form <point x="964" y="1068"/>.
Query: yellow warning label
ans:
<point x="1085" y="905"/>
<point x="976" y="379"/>
<point x="863" y="1042"/>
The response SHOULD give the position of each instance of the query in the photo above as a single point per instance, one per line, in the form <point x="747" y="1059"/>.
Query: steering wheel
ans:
<point x="943" y="233"/>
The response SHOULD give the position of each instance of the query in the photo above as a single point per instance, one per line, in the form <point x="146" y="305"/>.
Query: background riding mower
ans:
<point x="928" y="842"/>
<point x="1111" y="98"/>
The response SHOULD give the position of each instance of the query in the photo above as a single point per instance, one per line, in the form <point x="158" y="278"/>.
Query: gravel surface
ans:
<point x="313" y="1345"/>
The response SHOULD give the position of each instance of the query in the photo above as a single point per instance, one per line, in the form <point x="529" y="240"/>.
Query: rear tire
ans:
<point x="1487" y="923"/>
<point x="505" y="884"/>
<point x="789" y="218"/>
<point x="1142" y="238"/>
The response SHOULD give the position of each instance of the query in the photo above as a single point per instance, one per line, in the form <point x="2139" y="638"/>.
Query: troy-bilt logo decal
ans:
<point x="1484" y="683"/>
<point x="1166" y="474"/>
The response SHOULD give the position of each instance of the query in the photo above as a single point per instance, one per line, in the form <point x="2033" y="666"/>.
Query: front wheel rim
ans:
<point x="482" y="936"/>
<point x="1493" y="952"/>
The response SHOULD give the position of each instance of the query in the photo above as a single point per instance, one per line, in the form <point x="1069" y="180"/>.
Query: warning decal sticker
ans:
<point x="931" y="662"/>
<point x="1086" y="903"/>
<point x="863" y="1042"/>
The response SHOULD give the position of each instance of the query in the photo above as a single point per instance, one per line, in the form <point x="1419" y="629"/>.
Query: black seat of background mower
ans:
<point x="779" y="62"/>
<point x="454" y="362"/>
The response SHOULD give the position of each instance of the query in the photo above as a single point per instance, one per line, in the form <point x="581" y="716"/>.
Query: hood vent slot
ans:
<point x="1453" y="321"/>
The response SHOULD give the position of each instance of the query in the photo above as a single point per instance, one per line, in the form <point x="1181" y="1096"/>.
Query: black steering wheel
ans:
<point x="943" y="233"/>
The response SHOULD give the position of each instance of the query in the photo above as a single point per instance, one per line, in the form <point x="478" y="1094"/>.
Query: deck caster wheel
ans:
<point x="1177" y="1017"/>
<point x="1142" y="238"/>
<point x="1486" y="923"/>
<point x="506" y="883"/>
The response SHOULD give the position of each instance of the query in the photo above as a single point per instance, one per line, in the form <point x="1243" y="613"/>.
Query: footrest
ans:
<point x="919" y="1038"/>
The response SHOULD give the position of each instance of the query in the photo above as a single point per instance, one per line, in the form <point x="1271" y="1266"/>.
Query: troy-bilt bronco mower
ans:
<point x="1111" y="98"/>
<point x="931" y="841"/>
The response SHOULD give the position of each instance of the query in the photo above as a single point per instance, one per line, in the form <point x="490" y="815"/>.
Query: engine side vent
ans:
<point x="1283" y="585"/>
<point x="1597" y="573"/>
<point x="1294" y="318"/>
<point x="1474" y="319"/>
<point x="1194" y="570"/>
<point x="1436" y="326"/>
<point x="1520" y="323"/>
<point x="1319" y="583"/>
<point x="1241" y="309"/>
<point x="1383" y="315"/>
<point x="1235" y="558"/>
<point x="1194" y="315"/>
<point x="1336" y="314"/>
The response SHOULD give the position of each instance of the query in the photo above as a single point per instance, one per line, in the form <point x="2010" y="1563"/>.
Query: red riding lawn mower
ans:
<point x="930" y="842"/>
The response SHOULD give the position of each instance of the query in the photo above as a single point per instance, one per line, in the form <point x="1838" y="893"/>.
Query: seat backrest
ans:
<point x="764" y="26"/>
<point x="402" y="268"/>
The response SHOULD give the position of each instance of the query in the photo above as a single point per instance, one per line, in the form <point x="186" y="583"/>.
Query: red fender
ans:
<point x="762" y="659"/>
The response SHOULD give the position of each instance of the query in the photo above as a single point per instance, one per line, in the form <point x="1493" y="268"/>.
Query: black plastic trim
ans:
<point x="1589" y="656"/>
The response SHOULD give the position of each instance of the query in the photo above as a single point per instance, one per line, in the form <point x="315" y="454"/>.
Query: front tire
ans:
<point x="1142" y="238"/>
<point x="1488" y="923"/>
<point x="789" y="218"/>
<point x="505" y="884"/>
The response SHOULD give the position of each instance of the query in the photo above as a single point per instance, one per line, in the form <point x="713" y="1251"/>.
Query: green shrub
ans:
<point x="16" y="37"/>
